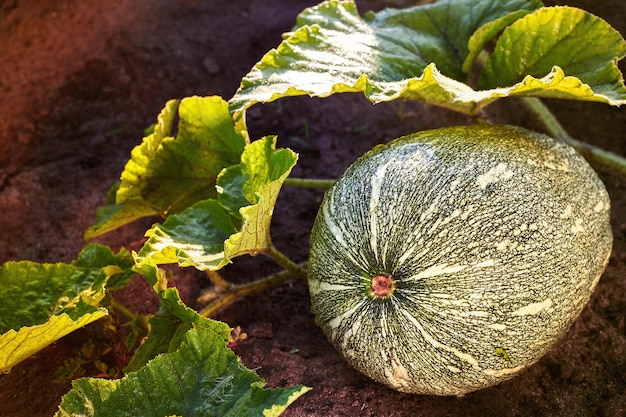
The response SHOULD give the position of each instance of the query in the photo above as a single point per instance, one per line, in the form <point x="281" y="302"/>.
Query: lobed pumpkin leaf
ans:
<point x="40" y="303"/>
<point x="427" y="52"/>
<point x="168" y="174"/>
<point x="202" y="377"/>
<point x="210" y="233"/>
<point x="261" y="174"/>
<point x="486" y="33"/>
<point x="581" y="44"/>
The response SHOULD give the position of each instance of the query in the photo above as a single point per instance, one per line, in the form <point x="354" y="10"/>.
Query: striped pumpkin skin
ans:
<point x="487" y="242"/>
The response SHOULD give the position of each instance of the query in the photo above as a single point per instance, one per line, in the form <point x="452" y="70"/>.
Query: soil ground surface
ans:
<point x="80" y="80"/>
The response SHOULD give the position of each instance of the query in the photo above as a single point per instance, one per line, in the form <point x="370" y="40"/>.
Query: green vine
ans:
<point x="596" y="156"/>
<point x="309" y="182"/>
<point x="226" y="293"/>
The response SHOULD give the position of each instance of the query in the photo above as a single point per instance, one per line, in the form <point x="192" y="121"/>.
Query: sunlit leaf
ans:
<point x="167" y="174"/>
<point x="17" y="345"/>
<point x="40" y="303"/>
<point x="194" y="237"/>
<point x="201" y="378"/>
<point x="426" y="53"/>
<point x="581" y="44"/>
<point x="212" y="232"/>
<point x="264" y="169"/>
<point x="332" y="49"/>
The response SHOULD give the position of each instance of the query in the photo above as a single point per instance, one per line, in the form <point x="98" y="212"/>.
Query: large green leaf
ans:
<point x="167" y="174"/>
<point x="581" y="44"/>
<point x="201" y="378"/>
<point x="212" y="232"/>
<point x="40" y="303"/>
<point x="426" y="53"/>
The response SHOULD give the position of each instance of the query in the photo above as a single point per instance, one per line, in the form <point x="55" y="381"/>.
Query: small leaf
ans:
<point x="168" y="327"/>
<point x="212" y="232"/>
<point x="332" y="50"/>
<point x="201" y="378"/>
<point x="265" y="170"/>
<point x="167" y="174"/>
<point x="119" y="267"/>
<point x="579" y="43"/>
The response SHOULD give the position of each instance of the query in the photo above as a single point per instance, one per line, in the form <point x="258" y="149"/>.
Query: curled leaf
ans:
<point x="40" y="303"/>
<point x="582" y="45"/>
<point x="210" y="233"/>
<point x="427" y="52"/>
<point x="168" y="174"/>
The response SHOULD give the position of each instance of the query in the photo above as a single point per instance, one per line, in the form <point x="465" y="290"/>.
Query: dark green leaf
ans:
<point x="201" y="378"/>
<point x="118" y="266"/>
<point x="168" y="327"/>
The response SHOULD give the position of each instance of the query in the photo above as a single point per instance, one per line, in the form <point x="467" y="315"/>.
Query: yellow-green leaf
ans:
<point x="15" y="346"/>
<point x="40" y="303"/>
<point x="167" y="174"/>
<point x="582" y="45"/>
<point x="427" y="52"/>
<point x="210" y="233"/>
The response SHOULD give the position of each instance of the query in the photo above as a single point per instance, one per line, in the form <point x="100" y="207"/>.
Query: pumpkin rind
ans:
<point x="494" y="238"/>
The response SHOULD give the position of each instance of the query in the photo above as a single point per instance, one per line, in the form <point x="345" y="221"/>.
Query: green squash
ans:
<point x="449" y="260"/>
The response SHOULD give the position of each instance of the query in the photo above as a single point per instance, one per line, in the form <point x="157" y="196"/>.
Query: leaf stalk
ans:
<point x="309" y="182"/>
<point x="604" y="159"/>
<point x="284" y="261"/>
<point x="235" y="292"/>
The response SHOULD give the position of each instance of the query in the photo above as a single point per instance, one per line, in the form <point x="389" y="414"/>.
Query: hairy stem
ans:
<point x="282" y="260"/>
<point x="236" y="292"/>
<point x="607" y="160"/>
<point x="309" y="182"/>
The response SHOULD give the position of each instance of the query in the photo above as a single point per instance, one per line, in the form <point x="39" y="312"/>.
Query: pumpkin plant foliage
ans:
<point x="40" y="303"/>
<point x="200" y="378"/>
<point x="210" y="233"/>
<point x="168" y="174"/>
<point x="427" y="53"/>
<point x="215" y="189"/>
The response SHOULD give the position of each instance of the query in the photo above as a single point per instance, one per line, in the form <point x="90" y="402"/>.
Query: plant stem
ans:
<point x="282" y="260"/>
<point x="594" y="155"/>
<point x="236" y="292"/>
<point x="217" y="280"/>
<point x="309" y="182"/>
<point x="122" y="309"/>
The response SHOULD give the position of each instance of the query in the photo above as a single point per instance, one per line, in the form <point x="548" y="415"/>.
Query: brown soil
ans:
<point x="80" y="80"/>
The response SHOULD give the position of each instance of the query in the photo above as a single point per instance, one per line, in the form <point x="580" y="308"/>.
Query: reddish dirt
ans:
<point x="80" y="80"/>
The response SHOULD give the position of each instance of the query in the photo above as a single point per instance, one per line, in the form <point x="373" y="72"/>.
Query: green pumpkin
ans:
<point x="449" y="260"/>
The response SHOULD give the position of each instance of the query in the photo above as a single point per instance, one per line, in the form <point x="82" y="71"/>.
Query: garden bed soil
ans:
<point x="79" y="82"/>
